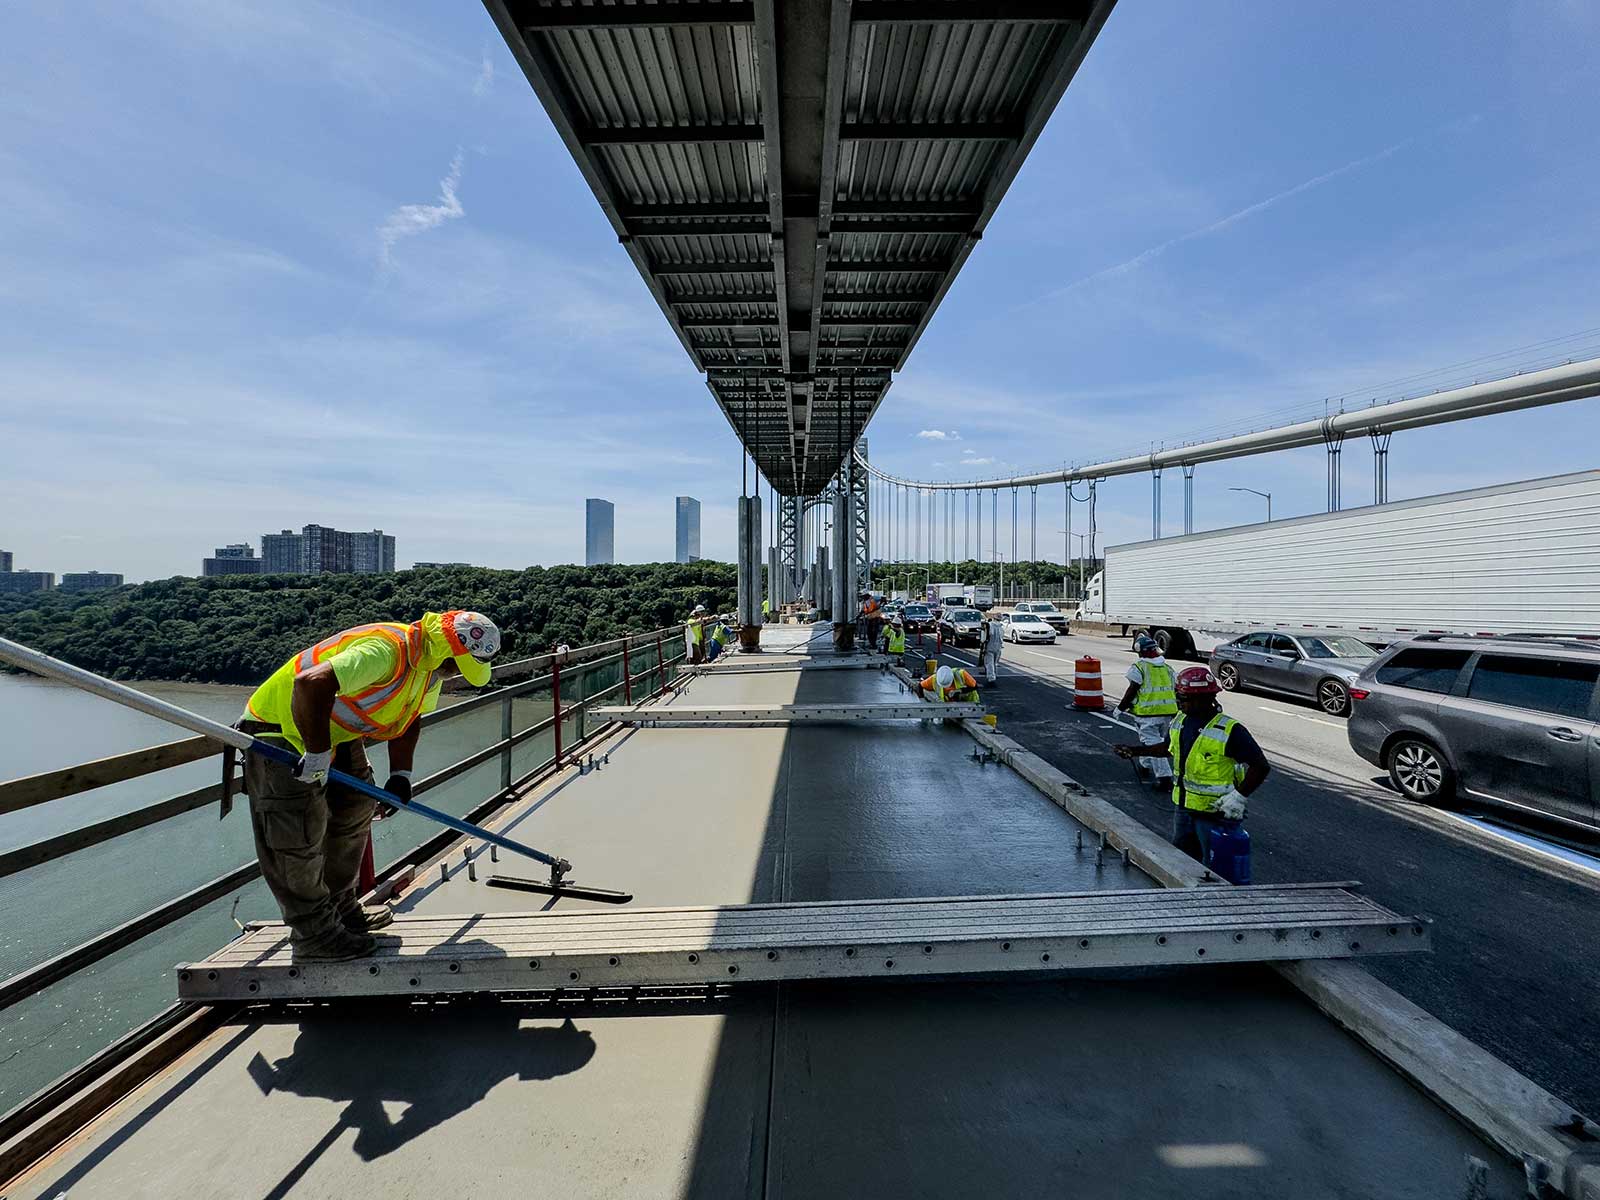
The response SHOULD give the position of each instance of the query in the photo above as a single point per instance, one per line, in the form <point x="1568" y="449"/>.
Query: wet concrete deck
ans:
<point x="1213" y="1081"/>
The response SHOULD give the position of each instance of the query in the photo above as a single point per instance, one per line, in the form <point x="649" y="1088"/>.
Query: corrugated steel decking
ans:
<point x="861" y="939"/>
<point x="799" y="182"/>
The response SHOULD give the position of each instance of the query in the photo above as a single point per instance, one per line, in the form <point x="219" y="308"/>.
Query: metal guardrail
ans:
<point x="575" y="666"/>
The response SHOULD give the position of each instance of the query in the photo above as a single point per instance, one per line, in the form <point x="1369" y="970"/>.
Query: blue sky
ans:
<point x="276" y="263"/>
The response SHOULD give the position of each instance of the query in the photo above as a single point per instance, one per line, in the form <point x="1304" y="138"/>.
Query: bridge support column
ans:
<point x="844" y="590"/>
<point x="860" y="521"/>
<point x="1188" y="498"/>
<point x="749" y="572"/>
<point x="1155" y="503"/>
<point x="791" y="558"/>
<point x="1380" y="466"/>
<point x="1335" y="443"/>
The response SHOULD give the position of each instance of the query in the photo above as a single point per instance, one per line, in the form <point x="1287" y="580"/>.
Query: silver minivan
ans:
<point x="1508" y="720"/>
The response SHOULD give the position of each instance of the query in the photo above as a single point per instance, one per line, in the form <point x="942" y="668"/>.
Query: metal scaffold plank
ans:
<point x="757" y="666"/>
<point x="787" y="714"/>
<point x="930" y="936"/>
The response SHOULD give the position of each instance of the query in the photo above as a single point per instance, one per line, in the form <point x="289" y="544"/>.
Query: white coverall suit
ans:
<point x="1153" y="731"/>
<point x="991" y="649"/>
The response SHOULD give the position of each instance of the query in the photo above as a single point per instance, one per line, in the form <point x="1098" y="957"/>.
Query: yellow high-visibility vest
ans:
<point x="1158" y="693"/>
<point x="1208" y="773"/>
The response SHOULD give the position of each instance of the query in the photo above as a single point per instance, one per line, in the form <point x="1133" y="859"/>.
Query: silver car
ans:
<point x="1511" y="721"/>
<point x="1318" y="667"/>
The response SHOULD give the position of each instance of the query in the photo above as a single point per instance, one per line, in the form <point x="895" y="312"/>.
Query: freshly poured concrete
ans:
<point x="1192" y="1083"/>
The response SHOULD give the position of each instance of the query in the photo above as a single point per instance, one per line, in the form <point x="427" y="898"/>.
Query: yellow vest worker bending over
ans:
<point x="371" y="682"/>
<point x="949" y="685"/>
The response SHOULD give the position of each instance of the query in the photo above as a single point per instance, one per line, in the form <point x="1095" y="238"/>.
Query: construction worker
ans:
<point x="1217" y="763"/>
<point x="368" y="683"/>
<point x="950" y="685"/>
<point x="993" y="635"/>
<point x="718" y="638"/>
<point x="1152" y="699"/>
<point x="694" y="635"/>
<point x="766" y="609"/>
<point x="894" y="639"/>
<point x="866" y="621"/>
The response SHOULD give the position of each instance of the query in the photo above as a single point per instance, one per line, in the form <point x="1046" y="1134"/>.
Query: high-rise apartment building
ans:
<point x="599" y="532"/>
<point x="89" y="581"/>
<point x="27" y="581"/>
<point x="688" y="539"/>
<point x="5" y="560"/>
<point x="238" y="558"/>
<point x="322" y="550"/>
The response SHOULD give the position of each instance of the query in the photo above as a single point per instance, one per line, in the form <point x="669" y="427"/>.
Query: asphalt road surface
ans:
<point x="1516" y="960"/>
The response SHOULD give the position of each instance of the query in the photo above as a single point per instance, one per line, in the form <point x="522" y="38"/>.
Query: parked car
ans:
<point x="1312" y="667"/>
<point x="918" y="618"/>
<point x="1045" y="611"/>
<point x="1026" y="627"/>
<point x="1507" y="720"/>
<point x="962" y="627"/>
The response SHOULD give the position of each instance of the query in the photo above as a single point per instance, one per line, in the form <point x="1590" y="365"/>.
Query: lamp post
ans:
<point x="1082" y="540"/>
<point x="1267" y="496"/>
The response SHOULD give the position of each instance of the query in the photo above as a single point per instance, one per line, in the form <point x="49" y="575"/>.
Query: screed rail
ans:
<point x="753" y="666"/>
<point x="522" y="952"/>
<point x="787" y="714"/>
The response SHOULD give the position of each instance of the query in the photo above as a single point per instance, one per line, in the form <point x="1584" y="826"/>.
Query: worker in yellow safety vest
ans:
<point x="894" y="639"/>
<point x="1152" y="700"/>
<point x="1217" y="764"/>
<point x="950" y="684"/>
<point x="368" y="683"/>
<point x="694" y="634"/>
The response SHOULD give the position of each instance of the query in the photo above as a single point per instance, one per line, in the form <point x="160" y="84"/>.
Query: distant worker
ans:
<point x="1152" y="699"/>
<point x="369" y="683"/>
<point x="993" y="636"/>
<point x="694" y="635"/>
<point x="950" y="685"/>
<point x="866" y="621"/>
<point x="718" y="638"/>
<point x="1218" y="765"/>
<point x="894" y="639"/>
<point x="766" y="609"/>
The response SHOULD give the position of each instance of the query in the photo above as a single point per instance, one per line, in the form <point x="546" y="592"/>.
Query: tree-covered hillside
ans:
<point x="239" y="629"/>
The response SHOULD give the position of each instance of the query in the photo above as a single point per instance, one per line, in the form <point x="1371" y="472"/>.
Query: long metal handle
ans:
<point x="1563" y="734"/>
<point x="19" y="655"/>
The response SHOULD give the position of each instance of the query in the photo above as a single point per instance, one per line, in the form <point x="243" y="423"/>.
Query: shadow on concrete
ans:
<point x="341" y="1057"/>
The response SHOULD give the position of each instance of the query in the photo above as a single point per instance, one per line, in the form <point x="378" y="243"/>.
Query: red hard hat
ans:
<point x="1197" y="681"/>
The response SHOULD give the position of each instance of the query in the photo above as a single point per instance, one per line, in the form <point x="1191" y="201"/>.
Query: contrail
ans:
<point x="1145" y="256"/>
<point x="411" y="219"/>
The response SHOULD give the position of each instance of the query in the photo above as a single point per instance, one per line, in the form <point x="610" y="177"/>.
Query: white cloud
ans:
<point x="939" y="435"/>
<point x="978" y="462"/>
<point x="411" y="219"/>
<point x="485" y="79"/>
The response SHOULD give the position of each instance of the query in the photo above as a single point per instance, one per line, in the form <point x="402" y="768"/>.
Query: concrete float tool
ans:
<point x="28" y="659"/>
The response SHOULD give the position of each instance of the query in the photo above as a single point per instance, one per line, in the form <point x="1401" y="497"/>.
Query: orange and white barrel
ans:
<point x="1087" y="692"/>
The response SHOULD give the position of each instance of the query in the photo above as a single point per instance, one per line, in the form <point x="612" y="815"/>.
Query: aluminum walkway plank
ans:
<point x="932" y="936"/>
<point x="786" y="714"/>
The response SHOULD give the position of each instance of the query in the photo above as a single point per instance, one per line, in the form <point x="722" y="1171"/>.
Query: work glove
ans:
<point x="399" y="785"/>
<point x="313" y="767"/>
<point x="1231" y="805"/>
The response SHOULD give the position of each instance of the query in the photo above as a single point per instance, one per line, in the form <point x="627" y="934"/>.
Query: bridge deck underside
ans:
<point x="799" y="182"/>
<point x="1191" y="1082"/>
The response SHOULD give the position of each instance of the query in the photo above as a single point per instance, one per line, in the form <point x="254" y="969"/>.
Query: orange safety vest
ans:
<point x="381" y="712"/>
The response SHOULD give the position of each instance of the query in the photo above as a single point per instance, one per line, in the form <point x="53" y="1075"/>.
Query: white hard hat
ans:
<point x="945" y="677"/>
<point x="698" y="609"/>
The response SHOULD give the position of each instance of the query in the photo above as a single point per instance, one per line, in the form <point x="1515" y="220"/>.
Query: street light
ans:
<point x="1081" y="538"/>
<point x="1265" y="495"/>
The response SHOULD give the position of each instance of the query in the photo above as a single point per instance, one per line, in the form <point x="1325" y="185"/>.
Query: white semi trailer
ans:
<point x="1518" y="558"/>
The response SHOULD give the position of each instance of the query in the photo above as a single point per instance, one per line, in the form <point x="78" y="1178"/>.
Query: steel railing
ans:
<point x="659" y="651"/>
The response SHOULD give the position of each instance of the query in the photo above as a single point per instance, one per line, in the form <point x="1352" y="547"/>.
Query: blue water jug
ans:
<point x="1228" y="852"/>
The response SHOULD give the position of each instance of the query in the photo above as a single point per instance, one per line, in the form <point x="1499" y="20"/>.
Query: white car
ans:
<point x="1046" y="611"/>
<point x="1026" y="627"/>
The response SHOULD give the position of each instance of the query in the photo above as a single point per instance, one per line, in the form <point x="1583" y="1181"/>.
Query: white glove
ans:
<point x="313" y="766"/>
<point x="1231" y="805"/>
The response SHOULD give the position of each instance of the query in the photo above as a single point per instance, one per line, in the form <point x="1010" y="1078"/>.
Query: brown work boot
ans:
<point x="337" y="945"/>
<point x="364" y="918"/>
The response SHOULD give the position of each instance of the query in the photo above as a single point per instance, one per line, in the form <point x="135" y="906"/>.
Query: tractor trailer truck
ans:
<point x="1518" y="558"/>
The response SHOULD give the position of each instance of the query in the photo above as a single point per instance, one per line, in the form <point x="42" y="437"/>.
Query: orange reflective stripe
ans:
<point x="355" y="714"/>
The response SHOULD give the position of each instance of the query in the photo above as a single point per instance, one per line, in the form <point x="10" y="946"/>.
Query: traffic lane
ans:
<point x="1514" y="965"/>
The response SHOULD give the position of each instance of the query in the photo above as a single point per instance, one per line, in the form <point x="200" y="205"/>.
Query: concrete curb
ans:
<point x="1559" y="1149"/>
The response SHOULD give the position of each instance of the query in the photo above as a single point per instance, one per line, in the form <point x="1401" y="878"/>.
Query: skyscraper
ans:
<point x="5" y="560"/>
<point x="599" y="530"/>
<point x="238" y="558"/>
<point x="688" y="529"/>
